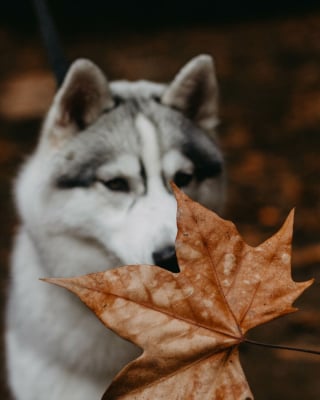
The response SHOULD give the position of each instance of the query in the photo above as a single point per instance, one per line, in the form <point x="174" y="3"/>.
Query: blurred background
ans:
<point x="268" y="64"/>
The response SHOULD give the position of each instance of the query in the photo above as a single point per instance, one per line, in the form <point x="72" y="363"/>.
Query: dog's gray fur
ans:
<point x="95" y="195"/>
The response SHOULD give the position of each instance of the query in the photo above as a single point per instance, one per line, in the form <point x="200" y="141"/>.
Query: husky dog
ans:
<point x="95" y="195"/>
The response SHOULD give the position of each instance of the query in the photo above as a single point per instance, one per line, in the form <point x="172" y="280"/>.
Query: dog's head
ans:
<point x="108" y="151"/>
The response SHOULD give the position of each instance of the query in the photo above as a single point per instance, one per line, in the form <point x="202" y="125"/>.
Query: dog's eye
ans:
<point x="182" y="179"/>
<point x="117" y="185"/>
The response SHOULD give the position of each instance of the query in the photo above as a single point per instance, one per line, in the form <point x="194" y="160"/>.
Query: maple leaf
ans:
<point x="190" y="324"/>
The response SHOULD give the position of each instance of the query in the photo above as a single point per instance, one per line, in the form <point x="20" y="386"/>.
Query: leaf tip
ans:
<point x="289" y="221"/>
<point x="291" y="215"/>
<point x="286" y="230"/>
<point x="48" y="280"/>
<point x="176" y="191"/>
<point x="305" y="285"/>
<point x="62" y="282"/>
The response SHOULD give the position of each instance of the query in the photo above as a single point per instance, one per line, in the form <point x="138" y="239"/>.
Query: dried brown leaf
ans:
<point x="191" y="323"/>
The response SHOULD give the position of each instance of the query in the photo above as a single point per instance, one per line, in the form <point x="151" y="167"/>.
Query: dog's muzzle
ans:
<point x="166" y="258"/>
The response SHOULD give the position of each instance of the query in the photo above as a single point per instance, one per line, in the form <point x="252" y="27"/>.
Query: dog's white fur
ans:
<point x="56" y="348"/>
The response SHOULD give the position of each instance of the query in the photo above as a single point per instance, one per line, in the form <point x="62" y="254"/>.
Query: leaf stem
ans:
<point x="276" y="346"/>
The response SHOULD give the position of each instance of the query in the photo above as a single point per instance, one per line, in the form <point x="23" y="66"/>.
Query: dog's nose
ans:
<point x="166" y="258"/>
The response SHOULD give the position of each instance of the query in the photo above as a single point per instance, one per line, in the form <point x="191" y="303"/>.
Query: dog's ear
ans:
<point x="82" y="97"/>
<point x="194" y="91"/>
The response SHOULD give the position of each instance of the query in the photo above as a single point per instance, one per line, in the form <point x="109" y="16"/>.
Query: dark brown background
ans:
<point x="268" y="64"/>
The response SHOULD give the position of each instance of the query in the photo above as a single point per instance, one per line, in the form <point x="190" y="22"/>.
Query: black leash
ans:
<point x="57" y="59"/>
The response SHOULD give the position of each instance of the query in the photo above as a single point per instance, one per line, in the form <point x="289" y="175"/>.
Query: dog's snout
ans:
<point x="166" y="258"/>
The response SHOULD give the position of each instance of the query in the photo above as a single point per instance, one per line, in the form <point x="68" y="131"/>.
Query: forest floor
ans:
<point x="269" y="78"/>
